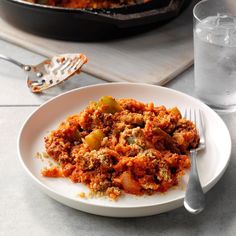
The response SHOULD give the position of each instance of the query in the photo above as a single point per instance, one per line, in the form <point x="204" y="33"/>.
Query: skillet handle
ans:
<point x="149" y="16"/>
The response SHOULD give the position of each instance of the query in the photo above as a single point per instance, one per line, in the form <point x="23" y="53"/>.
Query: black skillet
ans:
<point x="89" y="24"/>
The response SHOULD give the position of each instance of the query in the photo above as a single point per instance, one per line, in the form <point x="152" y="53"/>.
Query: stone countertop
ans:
<point x="25" y="210"/>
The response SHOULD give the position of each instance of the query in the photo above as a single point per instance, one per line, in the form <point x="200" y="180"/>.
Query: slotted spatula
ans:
<point x="51" y="71"/>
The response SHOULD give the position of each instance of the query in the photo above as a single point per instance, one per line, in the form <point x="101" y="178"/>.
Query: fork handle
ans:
<point x="3" y="57"/>
<point x="194" y="200"/>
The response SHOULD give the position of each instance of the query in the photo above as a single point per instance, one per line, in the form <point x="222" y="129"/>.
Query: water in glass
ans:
<point x="215" y="61"/>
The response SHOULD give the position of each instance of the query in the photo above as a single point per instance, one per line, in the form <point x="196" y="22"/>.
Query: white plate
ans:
<point x="212" y="162"/>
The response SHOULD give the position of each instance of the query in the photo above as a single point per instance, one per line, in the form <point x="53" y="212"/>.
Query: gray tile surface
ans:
<point x="25" y="210"/>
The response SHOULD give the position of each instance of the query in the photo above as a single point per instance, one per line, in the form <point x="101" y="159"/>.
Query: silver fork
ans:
<point x="194" y="200"/>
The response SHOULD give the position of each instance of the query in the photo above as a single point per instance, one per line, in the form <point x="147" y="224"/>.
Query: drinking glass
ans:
<point x="215" y="53"/>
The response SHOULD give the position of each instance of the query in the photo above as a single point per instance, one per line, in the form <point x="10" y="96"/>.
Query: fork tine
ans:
<point x="190" y="114"/>
<point x="194" y="120"/>
<point x="200" y="127"/>
<point x="189" y="117"/>
<point x="184" y="114"/>
<point x="196" y="116"/>
<point x="187" y="114"/>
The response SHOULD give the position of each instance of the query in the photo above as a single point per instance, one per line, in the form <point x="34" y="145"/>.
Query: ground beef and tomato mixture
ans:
<point x="122" y="145"/>
<point x="95" y="4"/>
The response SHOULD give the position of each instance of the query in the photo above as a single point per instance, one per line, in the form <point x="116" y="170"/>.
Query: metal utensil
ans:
<point x="50" y="72"/>
<point x="194" y="200"/>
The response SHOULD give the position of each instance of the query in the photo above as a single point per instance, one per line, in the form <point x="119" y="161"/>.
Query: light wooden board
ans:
<point x="154" y="57"/>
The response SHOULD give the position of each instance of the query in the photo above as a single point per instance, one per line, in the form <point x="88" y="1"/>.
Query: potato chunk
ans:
<point x="94" y="139"/>
<point x="129" y="184"/>
<point x="109" y="105"/>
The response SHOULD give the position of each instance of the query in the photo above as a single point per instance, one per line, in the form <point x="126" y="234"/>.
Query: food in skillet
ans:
<point x="96" y="4"/>
<point x="122" y="145"/>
